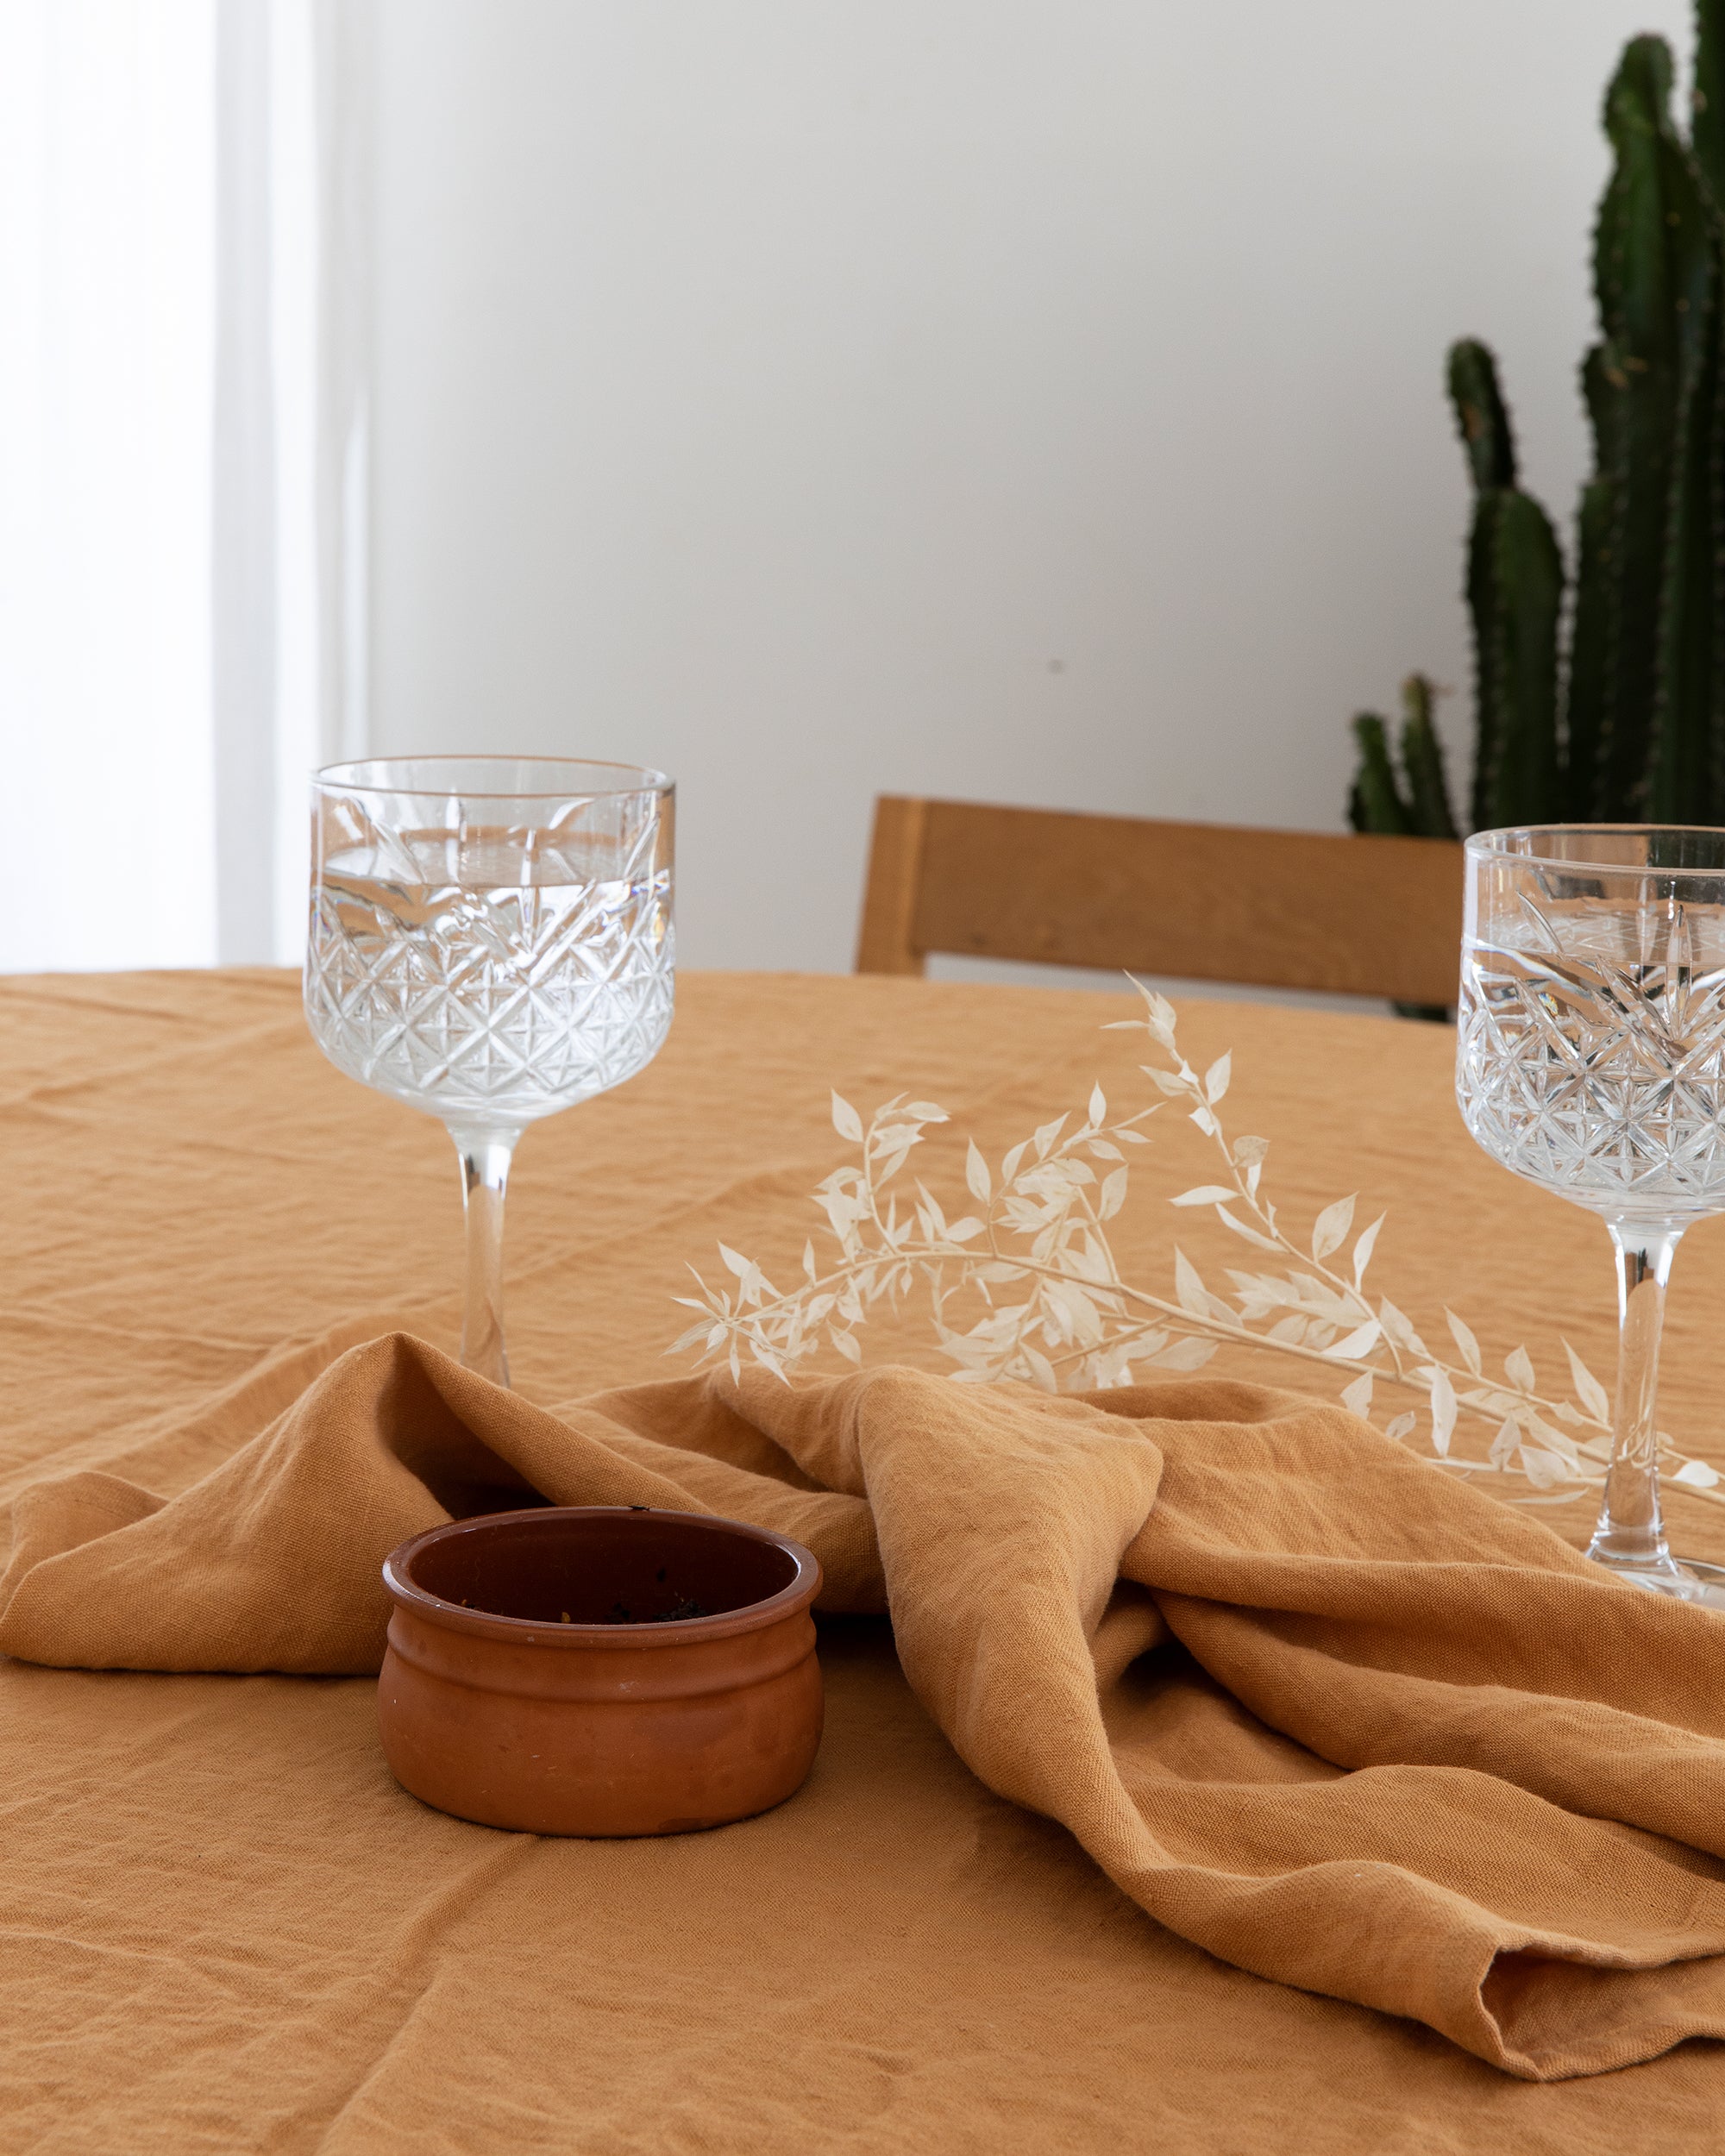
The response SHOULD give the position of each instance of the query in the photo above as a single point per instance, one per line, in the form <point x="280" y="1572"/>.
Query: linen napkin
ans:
<point x="1316" y="1706"/>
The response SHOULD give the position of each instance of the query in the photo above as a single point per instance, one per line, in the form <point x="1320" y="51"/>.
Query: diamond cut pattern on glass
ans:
<point x="504" y="1004"/>
<point x="1601" y="1079"/>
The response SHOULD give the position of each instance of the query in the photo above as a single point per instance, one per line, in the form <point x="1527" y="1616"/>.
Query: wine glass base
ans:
<point x="1686" y="1579"/>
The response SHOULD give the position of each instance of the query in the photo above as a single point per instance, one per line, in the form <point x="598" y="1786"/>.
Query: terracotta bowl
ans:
<point x="600" y="1670"/>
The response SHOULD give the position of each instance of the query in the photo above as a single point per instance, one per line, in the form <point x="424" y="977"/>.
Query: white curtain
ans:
<point x="182" y="447"/>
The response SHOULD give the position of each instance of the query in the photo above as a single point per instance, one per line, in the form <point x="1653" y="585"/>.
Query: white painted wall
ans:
<point x="1039" y="400"/>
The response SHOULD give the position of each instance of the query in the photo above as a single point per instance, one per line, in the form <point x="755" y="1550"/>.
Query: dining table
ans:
<point x="225" y="1928"/>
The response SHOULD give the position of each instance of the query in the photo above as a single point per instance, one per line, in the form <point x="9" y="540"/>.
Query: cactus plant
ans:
<point x="1629" y="722"/>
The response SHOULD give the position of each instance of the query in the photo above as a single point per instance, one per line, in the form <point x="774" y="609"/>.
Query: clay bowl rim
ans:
<point x="798" y="1592"/>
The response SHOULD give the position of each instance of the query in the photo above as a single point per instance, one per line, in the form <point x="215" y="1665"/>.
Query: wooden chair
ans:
<point x="1376" y="917"/>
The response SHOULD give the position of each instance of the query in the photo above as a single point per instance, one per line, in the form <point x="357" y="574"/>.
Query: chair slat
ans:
<point x="1368" y="916"/>
<point x="889" y="901"/>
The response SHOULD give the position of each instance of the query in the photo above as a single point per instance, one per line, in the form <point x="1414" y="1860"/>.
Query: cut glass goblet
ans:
<point x="490" y="942"/>
<point x="1590" y="1058"/>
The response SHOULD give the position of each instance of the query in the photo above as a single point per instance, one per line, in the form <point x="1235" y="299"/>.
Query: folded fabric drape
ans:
<point x="1314" y="1704"/>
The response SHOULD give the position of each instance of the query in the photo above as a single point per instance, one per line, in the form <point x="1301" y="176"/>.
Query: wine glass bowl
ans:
<point x="490" y="942"/>
<point x="1591" y="1059"/>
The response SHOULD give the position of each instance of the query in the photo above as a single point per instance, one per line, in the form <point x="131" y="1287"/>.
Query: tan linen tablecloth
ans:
<point x="1313" y="1703"/>
<point x="227" y="1929"/>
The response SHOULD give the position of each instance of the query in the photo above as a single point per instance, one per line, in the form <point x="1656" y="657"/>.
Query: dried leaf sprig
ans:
<point x="1055" y="1312"/>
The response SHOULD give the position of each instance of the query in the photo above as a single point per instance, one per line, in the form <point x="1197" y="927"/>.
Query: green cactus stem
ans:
<point x="1707" y="147"/>
<point x="1707" y="103"/>
<point x="1515" y="596"/>
<point x="1636" y="417"/>
<point x="1679" y="766"/>
<point x="1519" y="664"/>
<point x="1584" y="703"/>
<point x="1482" y="415"/>
<point x="1413" y="802"/>
<point x="1483" y="423"/>
<point x="1375" y="802"/>
<point x="1681" y="784"/>
<point x="1422" y="760"/>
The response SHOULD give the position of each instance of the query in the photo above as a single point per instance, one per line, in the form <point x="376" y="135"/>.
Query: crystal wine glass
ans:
<point x="1590" y="1058"/>
<point x="490" y="942"/>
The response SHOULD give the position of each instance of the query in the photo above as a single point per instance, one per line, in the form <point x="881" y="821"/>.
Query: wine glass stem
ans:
<point x="1630" y="1534"/>
<point x="485" y="1154"/>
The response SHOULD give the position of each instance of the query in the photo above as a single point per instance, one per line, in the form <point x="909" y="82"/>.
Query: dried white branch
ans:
<point x="1047" y="1304"/>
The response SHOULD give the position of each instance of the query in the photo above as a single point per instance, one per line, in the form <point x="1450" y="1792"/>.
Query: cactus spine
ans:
<point x="1631" y="723"/>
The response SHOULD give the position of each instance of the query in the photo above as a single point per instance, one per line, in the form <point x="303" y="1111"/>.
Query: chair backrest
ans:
<point x="1367" y="916"/>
